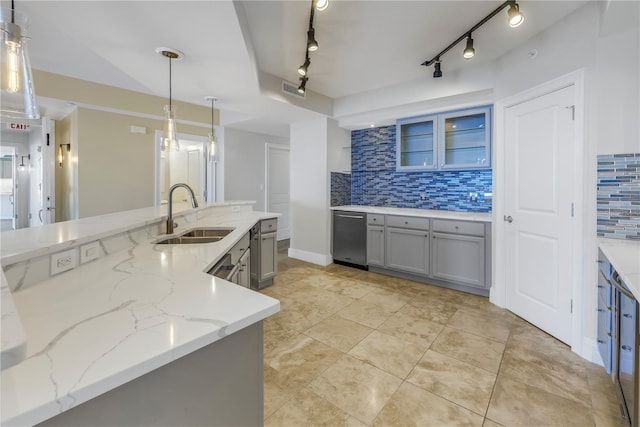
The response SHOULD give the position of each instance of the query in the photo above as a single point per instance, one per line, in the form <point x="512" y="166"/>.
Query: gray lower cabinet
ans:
<point x="407" y="250"/>
<point x="268" y="256"/>
<point x="375" y="245"/>
<point x="458" y="258"/>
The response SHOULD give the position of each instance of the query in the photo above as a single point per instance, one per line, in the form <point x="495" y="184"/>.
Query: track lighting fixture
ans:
<point x="469" y="51"/>
<point x="321" y="5"/>
<point x="515" y="19"/>
<point x="312" y="44"/>
<point x="304" y="67"/>
<point x="303" y="83"/>
<point x="437" y="72"/>
<point x="515" y="16"/>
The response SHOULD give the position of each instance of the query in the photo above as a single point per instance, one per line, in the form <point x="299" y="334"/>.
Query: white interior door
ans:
<point x="539" y="188"/>
<point x="278" y="186"/>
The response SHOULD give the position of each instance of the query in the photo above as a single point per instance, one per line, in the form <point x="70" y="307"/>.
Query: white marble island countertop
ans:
<point x="114" y="319"/>
<point x="426" y="213"/>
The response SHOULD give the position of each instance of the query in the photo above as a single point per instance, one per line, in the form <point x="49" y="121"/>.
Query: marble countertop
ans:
<point x="26" y="243"/>
<point x="109" y="321"/>
<point x="624" y="255"/>
<point x="427" y="213"/>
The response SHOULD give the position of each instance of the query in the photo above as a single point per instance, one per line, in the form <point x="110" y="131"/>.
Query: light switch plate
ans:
<point x="89" y="252"/>
<point x="63" y="261"/>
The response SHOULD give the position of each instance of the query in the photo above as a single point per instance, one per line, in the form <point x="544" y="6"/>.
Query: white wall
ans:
<point x="244" y="165"/>
<point x="310" y="220"/>
<point x="339" y="148"/>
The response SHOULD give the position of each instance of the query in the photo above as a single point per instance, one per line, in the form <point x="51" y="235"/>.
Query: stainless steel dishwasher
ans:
<point x="350" y="238"/>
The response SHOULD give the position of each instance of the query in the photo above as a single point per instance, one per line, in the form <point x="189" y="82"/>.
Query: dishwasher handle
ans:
<point x="350" y="216"/>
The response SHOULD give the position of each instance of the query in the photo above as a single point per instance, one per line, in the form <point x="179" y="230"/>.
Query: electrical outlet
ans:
<point x="473" y="197"/>
<point x="89" y="252"/>
<point x="63" y="261"/>
<point x="423" y="196"/>
<point x="235" y="208"/>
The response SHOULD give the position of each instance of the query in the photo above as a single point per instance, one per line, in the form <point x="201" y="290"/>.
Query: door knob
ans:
<point x="508" y="218"/>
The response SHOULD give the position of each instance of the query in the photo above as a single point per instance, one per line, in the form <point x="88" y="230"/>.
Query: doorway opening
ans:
<point x="192" y="164"/>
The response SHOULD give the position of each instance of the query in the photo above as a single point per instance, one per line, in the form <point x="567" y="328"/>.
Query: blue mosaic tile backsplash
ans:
<point x="619" y="196"/>
<point x="340" y="189"/>
<point x="375" y="181"/>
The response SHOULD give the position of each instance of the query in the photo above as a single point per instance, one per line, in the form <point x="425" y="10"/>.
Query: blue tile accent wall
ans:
<point x="340" y="189"/>
<point x="619" y="196"/>
<point x="375" y="181"/>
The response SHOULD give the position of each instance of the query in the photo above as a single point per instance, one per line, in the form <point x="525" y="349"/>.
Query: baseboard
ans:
<point x="312" y="257"/>
<point x="590" y="351"/>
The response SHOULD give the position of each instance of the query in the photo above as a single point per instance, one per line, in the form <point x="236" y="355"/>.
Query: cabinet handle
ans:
<point x="601" y="341"/>
<point x="627" y="315"/>
<point x="626" y="347"/>
<point x="600" y="286"/>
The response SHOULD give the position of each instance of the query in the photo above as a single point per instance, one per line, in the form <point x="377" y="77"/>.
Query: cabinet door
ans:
<point x="407" y="250"/>
<point x="416" y="143"/>
<point x="465" y="139"/>
<point x="244" y="274"/>
<point x="268" y="256"/>
<point x="458" y="259"/>
<point x="375" y="246"/>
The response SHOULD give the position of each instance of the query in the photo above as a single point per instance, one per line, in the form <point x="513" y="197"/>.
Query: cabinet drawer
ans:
<point x="408" y="222"/>
<point x="458" y="227"/>
<point x="375" y="219"/>
<point x="268" y="225"/>
<point x="605" y="290"/>
<point x="239" y="248"/>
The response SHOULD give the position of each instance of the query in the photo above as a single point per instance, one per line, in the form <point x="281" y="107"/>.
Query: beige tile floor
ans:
<point x="354" y="348"/>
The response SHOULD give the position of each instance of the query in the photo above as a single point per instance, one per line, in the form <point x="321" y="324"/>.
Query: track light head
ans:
<point x="312" y="44"/>
<point x="303" y="85"/>
<point x="321" y="5"/>
<point x="437" y="72"/>
<point x="515" y="16"/>
<point x="469" y="51"/>
<point x="302" y="70"/>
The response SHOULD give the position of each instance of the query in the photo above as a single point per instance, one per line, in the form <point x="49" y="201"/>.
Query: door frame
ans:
<point x="497" y="294"/>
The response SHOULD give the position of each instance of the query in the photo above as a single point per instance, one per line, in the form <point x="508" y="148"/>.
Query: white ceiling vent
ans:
<point x="292" y="89"/>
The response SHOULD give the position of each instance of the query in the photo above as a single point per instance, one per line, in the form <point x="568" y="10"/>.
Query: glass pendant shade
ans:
<point x="213" y="146"/>
<point x="170" y="137"/>
<point x="18" y="97"/>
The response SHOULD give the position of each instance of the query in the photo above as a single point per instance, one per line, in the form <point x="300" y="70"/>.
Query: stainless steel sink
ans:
<point x="197" y="235"/>
<point x="208" y="232"/>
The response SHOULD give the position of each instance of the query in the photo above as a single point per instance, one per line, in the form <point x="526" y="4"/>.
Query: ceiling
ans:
<point x="228" y="45"/>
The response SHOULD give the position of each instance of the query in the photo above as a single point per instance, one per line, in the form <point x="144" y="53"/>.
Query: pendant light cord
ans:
<point x="212" y="101"/>
<point x="13" y="13"/>
<point x="169" y="81"/>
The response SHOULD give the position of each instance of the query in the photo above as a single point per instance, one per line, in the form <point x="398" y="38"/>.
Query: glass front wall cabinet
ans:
<point x="465" y="139"/>
<point x="456" y="140"/>
<point x="416" y="143"/>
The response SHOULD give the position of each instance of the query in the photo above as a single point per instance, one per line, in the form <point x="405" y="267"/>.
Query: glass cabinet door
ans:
<point x="415" y="148"/>
<point x="465" y="139"/>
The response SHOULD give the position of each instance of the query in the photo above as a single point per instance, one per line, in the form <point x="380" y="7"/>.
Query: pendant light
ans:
<point x="515" y="16"/>
<point x="213" y="146"/>
<point x="18" y="97"/>
<point x="170" y="138"/>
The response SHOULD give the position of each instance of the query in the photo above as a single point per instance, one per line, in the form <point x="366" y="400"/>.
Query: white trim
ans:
<point x="312" y="257"/>
<point x="498" y="290"/>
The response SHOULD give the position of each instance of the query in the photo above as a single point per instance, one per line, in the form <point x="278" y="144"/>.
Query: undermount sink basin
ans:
<point x="208" y="232"/>
<point x="197" y="235"/>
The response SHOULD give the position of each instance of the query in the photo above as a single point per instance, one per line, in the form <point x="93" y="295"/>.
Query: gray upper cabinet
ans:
<point x="456" y="140"/>
<point x="416" y="143"/>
